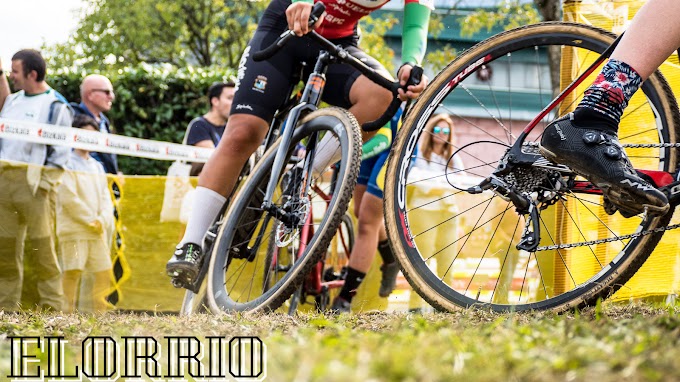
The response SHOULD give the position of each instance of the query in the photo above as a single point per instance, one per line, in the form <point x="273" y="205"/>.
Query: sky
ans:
<point x="30" y="23"/>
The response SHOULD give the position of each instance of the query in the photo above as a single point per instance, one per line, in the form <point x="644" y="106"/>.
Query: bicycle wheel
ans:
<point x="238" y="263"/>
<point x="331" y="269"/>
<point x="584" y="253"/>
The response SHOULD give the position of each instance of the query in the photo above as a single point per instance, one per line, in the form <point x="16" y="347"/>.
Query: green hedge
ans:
<point x="152" y="102"/>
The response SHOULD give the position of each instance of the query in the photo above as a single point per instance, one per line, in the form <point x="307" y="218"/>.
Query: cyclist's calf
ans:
<point x="242" y="136"/>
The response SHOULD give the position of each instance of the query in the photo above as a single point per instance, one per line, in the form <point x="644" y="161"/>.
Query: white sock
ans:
<point x="207" y="204"/>
<point x="327" y="152"/>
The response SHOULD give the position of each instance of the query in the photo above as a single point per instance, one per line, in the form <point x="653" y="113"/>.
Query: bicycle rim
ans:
<point x="238" y="284"/>
<point x="458" y="249"/>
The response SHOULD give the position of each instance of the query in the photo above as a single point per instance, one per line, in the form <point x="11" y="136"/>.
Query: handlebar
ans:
<point x="269" y="51"/>
<point x="345" y="57"/>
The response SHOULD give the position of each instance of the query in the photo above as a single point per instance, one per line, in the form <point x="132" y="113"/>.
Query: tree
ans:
<point x="123" y="33"/>
<point x="515" y="13"/>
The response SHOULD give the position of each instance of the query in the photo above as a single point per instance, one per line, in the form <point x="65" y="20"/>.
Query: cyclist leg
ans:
<point x="369" y="213"/>
<point x="261" y="87"/>
<point x="349" y="89"/>
<point x="586" y="140"/>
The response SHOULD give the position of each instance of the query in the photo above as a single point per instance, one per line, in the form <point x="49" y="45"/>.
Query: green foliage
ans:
<point x="510" y="14"/>
<point x="152" y="102"/>
<point x="372" y="41"/>
<point x="437" y="59"/>
<point x="123" y="33"/>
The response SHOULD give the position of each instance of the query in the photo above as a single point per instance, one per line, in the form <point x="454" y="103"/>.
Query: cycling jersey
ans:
<point x="374" y="155"/>
<point x="342" y="17"/>
<point x="261" y="87"/>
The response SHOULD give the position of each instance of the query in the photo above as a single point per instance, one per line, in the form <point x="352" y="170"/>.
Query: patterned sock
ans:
<point x="352" y="282"/>
<point x="386" y="252"/>
<point x="604" y="101"/>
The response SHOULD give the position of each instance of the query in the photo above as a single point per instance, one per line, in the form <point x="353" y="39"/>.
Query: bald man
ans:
<point x="96" y="94"/>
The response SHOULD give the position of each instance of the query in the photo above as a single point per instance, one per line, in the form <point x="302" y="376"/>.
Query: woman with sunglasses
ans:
<point x="436" y="147"/>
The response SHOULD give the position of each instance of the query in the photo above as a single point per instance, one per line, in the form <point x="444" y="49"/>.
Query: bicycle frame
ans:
<point x="515" y="156"/>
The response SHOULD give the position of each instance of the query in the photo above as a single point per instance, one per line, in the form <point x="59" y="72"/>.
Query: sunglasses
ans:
<point x="105" y="91"/>
<point x="439" y="129"/>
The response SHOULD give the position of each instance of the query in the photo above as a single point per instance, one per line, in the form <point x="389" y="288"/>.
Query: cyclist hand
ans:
<point x="413" y="91"/>
<point x="297" y="15"/>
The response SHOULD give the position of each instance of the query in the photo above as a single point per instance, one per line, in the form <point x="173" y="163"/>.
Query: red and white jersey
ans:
<point x="342" y="15"/>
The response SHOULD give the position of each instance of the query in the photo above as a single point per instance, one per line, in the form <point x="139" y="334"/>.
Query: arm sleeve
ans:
<point x="416" y="20"/>
<point x="379" y="143"/>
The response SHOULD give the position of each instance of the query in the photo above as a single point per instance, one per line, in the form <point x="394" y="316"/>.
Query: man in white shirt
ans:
<point x="29" y="174"/>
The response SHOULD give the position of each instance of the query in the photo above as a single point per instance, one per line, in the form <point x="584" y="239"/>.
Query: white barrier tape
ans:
<point x="101" y="142"/>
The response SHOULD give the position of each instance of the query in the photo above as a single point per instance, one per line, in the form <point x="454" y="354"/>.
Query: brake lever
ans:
<point x="414" y="78"/>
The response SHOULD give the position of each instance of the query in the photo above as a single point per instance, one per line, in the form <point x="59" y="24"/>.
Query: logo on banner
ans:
<point x="148" y="148"/>
<point x="117" y="145"/>
<point x="175" y="152"/>
<point x="82" y="139"/>
<point x="52" y="135"/>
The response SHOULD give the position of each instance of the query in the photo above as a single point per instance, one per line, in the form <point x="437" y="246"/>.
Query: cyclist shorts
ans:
<point x="262" y="87"/>
<point x="372" y="174"/>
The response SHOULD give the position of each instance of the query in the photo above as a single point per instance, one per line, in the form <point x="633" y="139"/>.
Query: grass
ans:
<point x="612" y="343"/>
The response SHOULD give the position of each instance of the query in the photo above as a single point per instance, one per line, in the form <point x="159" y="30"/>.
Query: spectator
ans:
<point x="436" y="147"/>
<point x="4" y="86"/>
<point x="29" y="174"/>
<point x="96" y="94"/>
<point x="207" y="130"/>
<point x="85" y="225"/>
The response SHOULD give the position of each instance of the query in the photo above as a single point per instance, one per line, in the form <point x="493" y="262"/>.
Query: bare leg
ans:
<point x="369" y="101"/>
<point x="370" y="222"/>
<point x="651" y="38"/>
<point x="71" y="280"/>
<point x="243" y="135"/>
<point x="102" y="282"/>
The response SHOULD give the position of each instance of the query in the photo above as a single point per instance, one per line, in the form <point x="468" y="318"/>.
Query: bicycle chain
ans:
<point x="632" y="145"/>
<point x="618" y="238"/>
<point x="608" y="240"/>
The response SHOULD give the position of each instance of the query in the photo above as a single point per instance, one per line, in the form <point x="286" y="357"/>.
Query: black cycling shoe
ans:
<point x="599" y="157"/>
<point x="389" y="278"/>
<point x="340" y="306"/>
<point x="184" y="265"/>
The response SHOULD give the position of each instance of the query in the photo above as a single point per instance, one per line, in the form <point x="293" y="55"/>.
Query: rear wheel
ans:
<point x="239" y="265"/>
<point x="458" y="248"/>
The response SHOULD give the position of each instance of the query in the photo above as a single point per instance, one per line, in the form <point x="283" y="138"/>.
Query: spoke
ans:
<point x="596" y="216"/>
<point x="578" y="227"/>
<point x="471" y="123"/>
<point x="487" y="248"/>
<point x="434" y="201"/>
<point x="505" y="258"/>
<point x="481" y="104"/>
<point x="469" y="234"/>
<point x="558" y="251"/>
<point x="455" y="216"/>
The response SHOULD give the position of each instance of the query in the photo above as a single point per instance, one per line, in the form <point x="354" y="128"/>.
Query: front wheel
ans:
<point x="238" y="266"/>
<point x="458" y="247"/>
